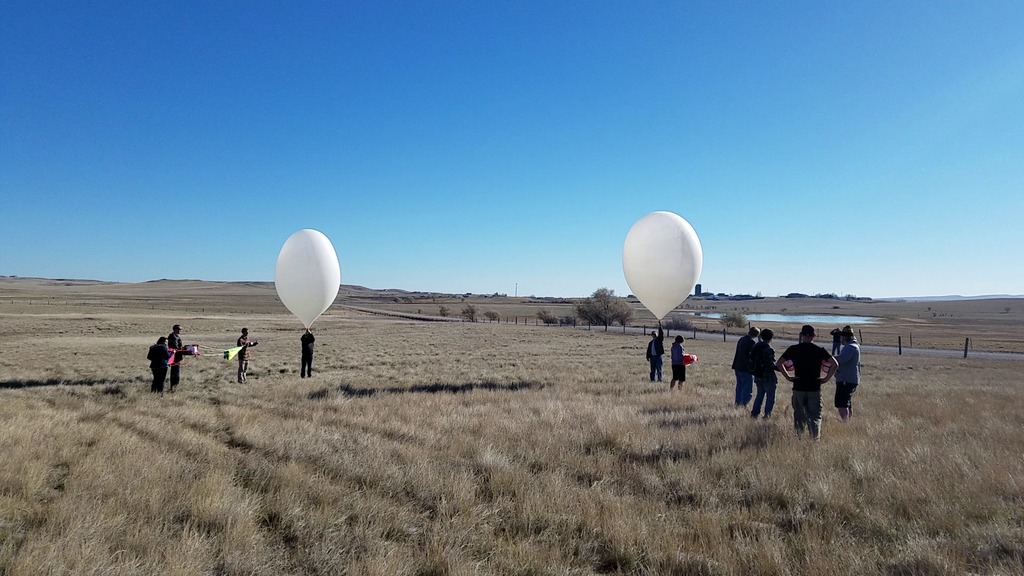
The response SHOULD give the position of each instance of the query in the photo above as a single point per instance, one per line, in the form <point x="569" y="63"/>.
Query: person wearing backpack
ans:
<point x="763" y="359"/>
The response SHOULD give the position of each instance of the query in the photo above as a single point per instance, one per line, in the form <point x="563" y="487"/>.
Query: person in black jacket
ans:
<point x="306" y="369"/>
<point x="741" y="364"/>
<point x="158" y="357"/>
<point x="655" y="350"/>
<point x="763" y="359"/>
<point x="177" y="348"/>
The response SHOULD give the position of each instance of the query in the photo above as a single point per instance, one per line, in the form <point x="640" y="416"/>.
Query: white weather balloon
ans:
<point x="661" y="259"/>
<point x="307" y="275"/>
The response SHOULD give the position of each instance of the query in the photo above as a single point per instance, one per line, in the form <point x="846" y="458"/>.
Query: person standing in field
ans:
<point x="678" y="364"/>
<point x="763" y="359"/>
<point x="306" y="368"/>
<point x="244" y="354"/>
<point x="177" y="348"/>
<point x="655" y="350"/>
<point x="808" y="359"/>
<point x="848" y="374"/>
<point x="741" y="364"/>
<point x="836" y="341"/>
<point x="158" y="357"/>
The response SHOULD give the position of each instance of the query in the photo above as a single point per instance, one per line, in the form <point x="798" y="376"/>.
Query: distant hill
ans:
<point x="952" y="297"/>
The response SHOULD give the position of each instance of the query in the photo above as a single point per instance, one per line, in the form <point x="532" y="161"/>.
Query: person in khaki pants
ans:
<point x="243" y="354"/>
<point x="807" y="360"/>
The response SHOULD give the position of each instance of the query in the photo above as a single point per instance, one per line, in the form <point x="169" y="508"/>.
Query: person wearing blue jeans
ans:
<point x="655" y="350"/>
<point x="742" y="365"/>
<point x="764" y="374"/>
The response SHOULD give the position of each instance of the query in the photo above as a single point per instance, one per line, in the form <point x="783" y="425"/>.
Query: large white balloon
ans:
<point x="307" y="275"/>
<point x="661" y="259"/>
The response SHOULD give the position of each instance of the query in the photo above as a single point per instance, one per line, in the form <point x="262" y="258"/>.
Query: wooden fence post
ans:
<point x="899" y="344"/>
<point x="966" y="342"/>
<point x="723" y="334"/>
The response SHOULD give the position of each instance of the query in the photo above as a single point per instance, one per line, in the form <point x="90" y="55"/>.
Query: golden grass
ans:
<point x="423" y="448"/>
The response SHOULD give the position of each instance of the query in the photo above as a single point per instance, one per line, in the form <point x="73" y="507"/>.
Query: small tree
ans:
<point x="491" y="315"/>
<point x="469" y="312"/>
<point x="604" y="308"/>
<point x="444" y="311"/>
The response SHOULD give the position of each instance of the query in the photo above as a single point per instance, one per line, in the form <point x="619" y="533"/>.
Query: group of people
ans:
<point x="803" y="364"/>
<point x="656" y="349"/>
<point x="166" y="356"/>
<point x="754" y="365"/>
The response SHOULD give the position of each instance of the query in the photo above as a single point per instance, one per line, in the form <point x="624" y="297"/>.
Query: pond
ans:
<point x="824" y="320"/>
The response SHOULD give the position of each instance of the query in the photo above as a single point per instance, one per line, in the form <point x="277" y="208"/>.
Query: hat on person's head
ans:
<point x="847" y="331"/>
<point x="176" y="327"/>
<point x="807" y="330"/>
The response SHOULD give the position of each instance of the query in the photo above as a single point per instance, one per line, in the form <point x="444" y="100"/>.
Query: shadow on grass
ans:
<point x="16" y="384"/>
<point x="350" y="392"/>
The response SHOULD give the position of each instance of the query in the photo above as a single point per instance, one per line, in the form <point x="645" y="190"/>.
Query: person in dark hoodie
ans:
<point x="307" y="340"/>
<point x="763" y="360"/>
<point x="678" y="364"/>
<point x="655" y="350"/>
<point x="158" y="357"/>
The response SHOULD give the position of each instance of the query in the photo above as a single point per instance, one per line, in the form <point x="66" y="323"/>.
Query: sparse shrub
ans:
<point x="734" y="318"/>
<point x="677" y="323"/>
<point x="491" y="315"/>
<point x="469" y="313"/>
<point x="567" y="319"/>
<point x="444" y="312"/>
<point x="545" y="316"/>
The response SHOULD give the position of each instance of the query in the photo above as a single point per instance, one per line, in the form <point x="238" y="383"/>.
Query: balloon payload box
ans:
<point x="192" y="350"/>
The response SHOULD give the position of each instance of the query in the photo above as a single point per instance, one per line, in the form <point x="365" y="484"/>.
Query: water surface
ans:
<point x="813" y="319"/>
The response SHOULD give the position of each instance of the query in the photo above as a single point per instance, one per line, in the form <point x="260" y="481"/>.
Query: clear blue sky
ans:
<point x="866" y="148"/>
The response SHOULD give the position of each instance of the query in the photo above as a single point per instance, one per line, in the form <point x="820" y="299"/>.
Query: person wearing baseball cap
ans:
<point x="807" y="359"/>
<point x="174" y="345"/>
<point x="848" y="374"/>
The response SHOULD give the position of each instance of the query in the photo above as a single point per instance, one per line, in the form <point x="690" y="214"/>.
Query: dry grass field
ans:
<point x="424" y="448"/>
